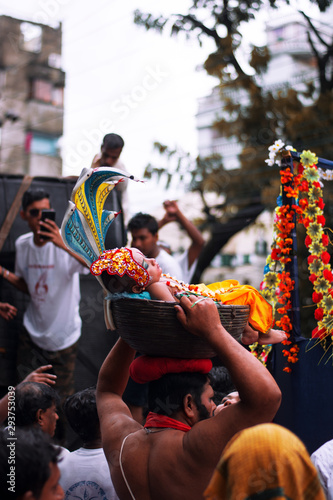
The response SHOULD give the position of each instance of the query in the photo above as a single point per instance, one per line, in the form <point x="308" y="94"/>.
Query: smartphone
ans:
<point x="47" y="214"/>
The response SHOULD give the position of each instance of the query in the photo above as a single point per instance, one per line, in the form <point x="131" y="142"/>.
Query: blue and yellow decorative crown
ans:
<point x="85" y="223"/>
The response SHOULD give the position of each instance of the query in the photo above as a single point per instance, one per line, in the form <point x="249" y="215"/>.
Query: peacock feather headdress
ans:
<point x="86" y="223"/>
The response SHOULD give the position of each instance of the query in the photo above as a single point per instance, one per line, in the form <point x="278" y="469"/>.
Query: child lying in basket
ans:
<point x="128" y="270"/>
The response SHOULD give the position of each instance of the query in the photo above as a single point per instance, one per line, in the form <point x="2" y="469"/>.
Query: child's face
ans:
<point x="230" y="399"/>
<point x="150" y="265"/>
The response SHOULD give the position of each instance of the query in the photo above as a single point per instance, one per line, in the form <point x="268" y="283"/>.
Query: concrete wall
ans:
<point x="19" y="67"/>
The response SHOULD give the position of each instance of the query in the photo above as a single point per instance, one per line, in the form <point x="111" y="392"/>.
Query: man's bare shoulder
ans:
<point x="116" y="421"/>
<point x="96" y="161"/>
<point x="206" y="440"/>
<point x="157" y="465"/>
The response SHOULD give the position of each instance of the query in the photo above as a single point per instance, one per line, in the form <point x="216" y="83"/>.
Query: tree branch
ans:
<point x="314" y="29"/>
<point x="198" y="24"/>
<point x="221" y="234"/>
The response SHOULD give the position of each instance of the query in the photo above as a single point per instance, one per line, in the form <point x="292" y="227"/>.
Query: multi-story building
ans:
<point x="292" y="64"/>
<point x="31" y="98"/>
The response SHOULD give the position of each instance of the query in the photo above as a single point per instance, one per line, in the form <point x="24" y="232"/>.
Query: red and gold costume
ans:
<point x="231" y="292"/>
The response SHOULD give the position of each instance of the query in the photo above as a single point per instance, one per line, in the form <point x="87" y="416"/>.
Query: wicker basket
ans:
<point x="151" y="327"/>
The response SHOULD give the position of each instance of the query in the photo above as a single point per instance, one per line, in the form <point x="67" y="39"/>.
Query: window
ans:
<point x="279" y="34"/>
<point x="246" y="259"/>
<point x="227" y="259"/>
<point x="41" y="144"/>
<point x="261" y="247"/>
<point x="43" y="90"/>
<point x="31" y="37"/>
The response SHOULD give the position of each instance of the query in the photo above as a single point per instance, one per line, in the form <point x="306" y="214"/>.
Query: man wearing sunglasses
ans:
<point x="47" y="271"/>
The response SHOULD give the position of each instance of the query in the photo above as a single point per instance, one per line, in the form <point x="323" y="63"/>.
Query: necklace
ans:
<point x="187" y="289"/>
<point x="153" y="431"/>
<point x="173" y="282"/>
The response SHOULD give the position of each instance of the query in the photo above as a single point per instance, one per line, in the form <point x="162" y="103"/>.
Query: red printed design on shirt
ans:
<point x="41" y="287"/>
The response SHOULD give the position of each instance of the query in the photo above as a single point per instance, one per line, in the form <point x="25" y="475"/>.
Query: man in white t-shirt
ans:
<point x="322" y="458"/>
<point x="85" y="472"/>
<point x="47" y="271"/>
<point x="144" y="231"/>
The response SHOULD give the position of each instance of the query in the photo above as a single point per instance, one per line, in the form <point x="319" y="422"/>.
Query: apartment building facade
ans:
<point x="31" y="98"/>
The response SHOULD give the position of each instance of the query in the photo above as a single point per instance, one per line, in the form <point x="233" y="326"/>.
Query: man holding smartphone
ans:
<point x="47" y="271"/>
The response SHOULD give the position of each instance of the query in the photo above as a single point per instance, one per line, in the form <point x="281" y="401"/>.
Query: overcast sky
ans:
<point x="120" y="78"/>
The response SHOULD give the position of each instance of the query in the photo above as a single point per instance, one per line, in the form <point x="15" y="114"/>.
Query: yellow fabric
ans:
<point x="265" y="462"/>
<point x="231" y="292"/>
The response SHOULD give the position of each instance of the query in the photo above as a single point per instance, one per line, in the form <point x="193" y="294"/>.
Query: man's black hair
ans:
<point x="30" y="454"/>
<point x="112" y="141"/>
<point x="143" y="221"/>
<point x="31" y="397"/>
<point x="221" y="382"/>
<point x="33" y="194"/>
<point x="81" y="412"/>
<point x="166" y="395"/>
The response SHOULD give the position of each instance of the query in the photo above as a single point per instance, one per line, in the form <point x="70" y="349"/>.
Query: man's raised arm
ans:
<point x="115" y="417"/>
<point x="260" y="395"/>
<point x="114" y="372"/>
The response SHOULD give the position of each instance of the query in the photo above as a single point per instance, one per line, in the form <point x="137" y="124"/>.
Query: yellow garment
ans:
<point x="231" y="292"/>
<point x="265" y="462"/>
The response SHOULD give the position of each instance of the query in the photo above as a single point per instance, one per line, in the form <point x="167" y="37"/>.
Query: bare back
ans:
<point x="157" y="467"/>
<point x="161" y="464"/>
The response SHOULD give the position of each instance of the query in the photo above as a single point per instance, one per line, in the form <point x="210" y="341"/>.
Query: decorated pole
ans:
<point x="300" y="202"/>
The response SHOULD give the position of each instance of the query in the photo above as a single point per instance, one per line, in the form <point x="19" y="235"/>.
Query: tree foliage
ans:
<point x="254" y="115"/>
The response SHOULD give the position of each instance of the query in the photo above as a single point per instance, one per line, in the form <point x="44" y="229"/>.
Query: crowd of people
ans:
<point x="151" y="428"/>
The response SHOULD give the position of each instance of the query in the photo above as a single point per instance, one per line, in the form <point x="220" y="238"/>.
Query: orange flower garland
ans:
<point x="277" y="284"/>
<point x="305" y="188"/>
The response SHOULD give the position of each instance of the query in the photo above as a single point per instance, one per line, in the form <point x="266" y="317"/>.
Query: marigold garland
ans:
<point x="277" y="284"/>
<point x="305" y="187"/>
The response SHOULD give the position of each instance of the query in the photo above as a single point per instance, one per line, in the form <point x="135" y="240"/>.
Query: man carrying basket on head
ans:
<point x="175" y="453"/>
